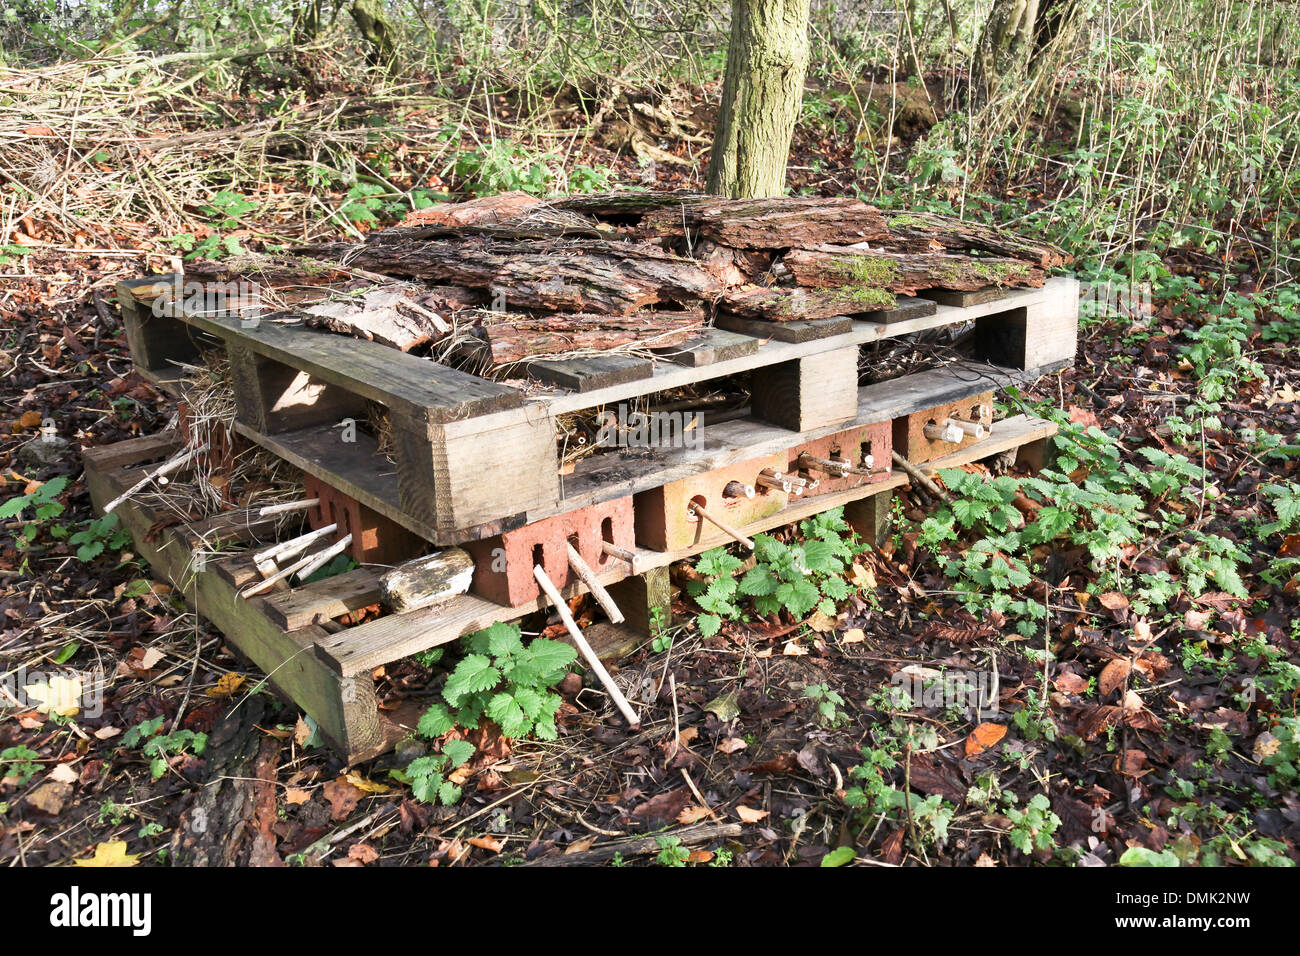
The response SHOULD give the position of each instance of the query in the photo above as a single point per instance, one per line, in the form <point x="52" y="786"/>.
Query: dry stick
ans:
<point x="293" y="546"/>
<point x="166" y="468"/>
<point x="287" y="507"/>
<point x="623" y="554"/>
<point x="693" y="508"/>
<point x="324" y="557"/>
<point x="974" y="429"/>
<point x="921" y="478"/>
<point x="616" y="695"/>
<point x="280" y="575"/>
<point x="947" y="432"/>
<point x="588" y="577"/>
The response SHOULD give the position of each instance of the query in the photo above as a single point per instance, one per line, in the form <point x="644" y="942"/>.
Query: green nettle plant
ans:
<point x="498" y="678"/>
<point x="1092" y="499"/>
<point x="795" y="578"/>
<point x="158" y="746"/>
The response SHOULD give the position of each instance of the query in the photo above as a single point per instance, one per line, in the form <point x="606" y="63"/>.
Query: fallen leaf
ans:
<point x="485" y="842"/>
<point x="750" y="815"/>
<point x="579" y="846"/>
<point x="692" y="815"/>
<point x="1113" y="601"/>
<point x="369" y="786"/>
<point x="111" y="853"/>
<point x="342" y="798"/>
<point x="294" y="796"/>
<point x="983" y="737"/>
<point x="1112" y="676"/>
<point x="30" y="420"/>
<point x="63" y="774"/>
<point x="854" y="635"/>
<point x="731" y="745"/>
<point x="363" y="852"/>
<point x="864" y="579"/>
<point x="700" y="856"/>
<point x="227" y="685"/>
<point x="794" y="649"/>
<point x="1266" y="745"/>
<point x="725" y="706"/>
<point x="821" y="622"/>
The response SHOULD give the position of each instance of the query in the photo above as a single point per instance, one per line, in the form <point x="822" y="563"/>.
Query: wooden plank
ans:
<point x="370" y="369"/>
<point x="345" y="711"/>
<point x="360" y="649"/>
<point x="715" y="345"/>
<point x="323" y="600"/>
<point x="800" y="330"/>
<point x="588" y="374"/>
<point x="963" y="299"/>
<point x="907" y="307"/>
<point x="132" y="451"/>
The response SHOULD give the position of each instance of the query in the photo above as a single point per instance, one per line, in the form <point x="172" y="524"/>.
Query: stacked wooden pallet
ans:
<point x="475" y="461"/>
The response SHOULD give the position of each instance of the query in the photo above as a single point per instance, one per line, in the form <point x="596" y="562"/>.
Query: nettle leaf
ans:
<point x="799" y="597"/>
<point x="435" y="722"/>
<point x="818" y="556"/>
<point x="717" y="562"/>
<point x="425" y="766"/>
<point x="530" y="700"/>
<point x="837" y="589"/>
<point x="457" y="752"/>
<point x="473" y="674"/>
<point x="425" y="787"/>
<point x="505" y="710"/>
<point x="758" y="580"/>
<point x="548" y="659"/>
<point x="449" y="793"/>
<point x="709" y="624"/>
<point x="503" y="639"/>
<point x="969" y="512"/>
<point x="544" y="729"/>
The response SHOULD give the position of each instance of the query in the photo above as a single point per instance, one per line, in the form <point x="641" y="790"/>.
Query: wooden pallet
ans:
<point x="328" y="673"/>
<point x="474" y="458"/>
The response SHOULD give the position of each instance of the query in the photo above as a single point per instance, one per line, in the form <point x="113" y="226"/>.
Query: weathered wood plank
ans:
<point x="587" y="374"/>
<point x="715" y="345"/>
<point x="323" y="600"/>
<point x="795" y="332"/>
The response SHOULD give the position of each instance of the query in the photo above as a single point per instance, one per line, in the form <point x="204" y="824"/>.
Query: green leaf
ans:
<point x="435" y="722"/>
<point x="449" y="793"/>
<point x="505" y="710"/>
<point x="473" y="674"/>
<point x="709" y="624"/>
<point x="840" y="856"/>
<point x="457" y="752"/>
<point x="503" y="639"/>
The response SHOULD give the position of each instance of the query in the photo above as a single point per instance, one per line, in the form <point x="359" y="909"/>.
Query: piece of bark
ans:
<point x="732" y="267"/>
<point x="488" y="209"/>
<point x="444" y="299"/>
<point x="791" y="304"/>
<point x="923" y="231"/>
<point x="866" y="275"/>
<point x="513" y="338"/>
<point x="427" y="581"/>
<point x="604" y="277"/>
<point x="789" y="223"/>
<point x="381" y="315"/>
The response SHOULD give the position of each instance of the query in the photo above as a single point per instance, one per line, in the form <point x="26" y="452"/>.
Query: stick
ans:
<point x="280" y="575"/>
<point x="293" y="546"/>
<point x="693" y="508"/>
<point x="738" y="489"/>
<point x="948" y="432"/>
<point x="166" y="468"/>
<point x="921" y="479"/>
<point x="287" y="507"/>
<point x="324" y="557"/>
<point x="616" y="695"/>
<point x="597" y="589"/>
<point x="770" y="479"/>
<point x="623" y="554"/>
<point x="974" y="429"/>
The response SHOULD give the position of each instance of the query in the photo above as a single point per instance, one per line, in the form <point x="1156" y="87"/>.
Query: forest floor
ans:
<point x="1157" y="729"/>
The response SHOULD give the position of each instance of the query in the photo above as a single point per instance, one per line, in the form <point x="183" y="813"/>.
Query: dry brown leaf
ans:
<point x="1113" y="601"/>
<point x="750" y="815"/>
<point x="295" y="796"/>
<point x="485" y="842"/>
<point x="1112" y="676"/>
<point x="983" y="737"/>
<point x="854" y="635"/>
<point x="692" y="815"/>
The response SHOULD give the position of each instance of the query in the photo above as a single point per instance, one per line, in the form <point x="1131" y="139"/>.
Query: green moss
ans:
<point x="908" y="222"/>
<point x="1000" y="272"/>
<point x="867" y="280"/>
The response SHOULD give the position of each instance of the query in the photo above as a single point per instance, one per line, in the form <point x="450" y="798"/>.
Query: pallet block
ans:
<point x="503" y="565"/>
<point x="911" y="442"/>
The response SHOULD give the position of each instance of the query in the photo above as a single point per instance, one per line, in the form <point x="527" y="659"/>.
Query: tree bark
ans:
<point x="1004" y="44"/>
<point x="372" y="20"/>
<point x="767" y="60"/>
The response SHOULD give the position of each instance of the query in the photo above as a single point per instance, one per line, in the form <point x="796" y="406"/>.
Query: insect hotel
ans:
<point x="507" y="403"/>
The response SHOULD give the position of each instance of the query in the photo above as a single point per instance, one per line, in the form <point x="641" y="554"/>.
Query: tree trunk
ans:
<point x="372" y="20"/>
<point x="767" y="60"/>
<point x="1005" y="44"/>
